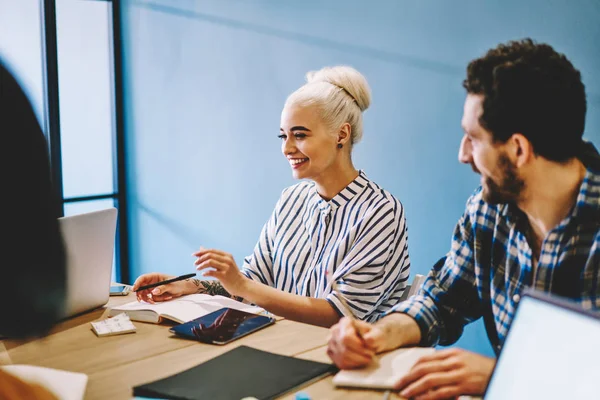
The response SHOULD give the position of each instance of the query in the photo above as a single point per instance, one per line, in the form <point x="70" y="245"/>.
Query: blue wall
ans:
<point x="206" y="81"/>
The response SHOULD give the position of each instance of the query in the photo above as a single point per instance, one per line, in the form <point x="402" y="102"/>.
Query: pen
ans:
<point x="179" y="278"/>
<point x="386" y="395"/>
<point x="334" y="287"/>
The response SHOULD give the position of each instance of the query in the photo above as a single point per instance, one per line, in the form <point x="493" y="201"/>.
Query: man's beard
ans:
<point x="510" y="187"/>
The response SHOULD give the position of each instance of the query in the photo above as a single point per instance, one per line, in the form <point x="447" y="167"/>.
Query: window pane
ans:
<point x="85" y="88"/>
<point x="21" y="48"/>
<point x="81" y="207"/>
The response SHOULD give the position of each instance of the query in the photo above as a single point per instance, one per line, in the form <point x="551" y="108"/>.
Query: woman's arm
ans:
<point x="174" y="289"/>
<point x="214" y="288"/>
<point x="222" y="266"/>
<point x="290" y="306"/>
<point x="298" y="308"/>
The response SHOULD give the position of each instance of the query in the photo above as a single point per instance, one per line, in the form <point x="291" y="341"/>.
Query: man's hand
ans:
<point x="348" y="348"/>
<point x="447" y="374"/>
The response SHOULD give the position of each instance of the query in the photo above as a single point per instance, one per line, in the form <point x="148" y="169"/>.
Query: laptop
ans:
<point x="551" y="352"/>
<point x="89" y="243"/>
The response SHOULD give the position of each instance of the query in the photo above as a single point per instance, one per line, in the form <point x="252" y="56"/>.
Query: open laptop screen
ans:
<point x="551" y="352"/>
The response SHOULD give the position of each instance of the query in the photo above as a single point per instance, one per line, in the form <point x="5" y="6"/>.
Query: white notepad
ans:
<point x="181" y="309"/>
<point x="64" y="385"/>
<point x="117" y="325"/>
<point x="385" y="371"/>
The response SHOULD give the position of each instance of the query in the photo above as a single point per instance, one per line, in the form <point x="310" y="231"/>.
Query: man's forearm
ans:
<point x="400" y="330"/>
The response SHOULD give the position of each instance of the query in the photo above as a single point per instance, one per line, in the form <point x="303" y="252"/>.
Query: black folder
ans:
<point x="241" y="372"/>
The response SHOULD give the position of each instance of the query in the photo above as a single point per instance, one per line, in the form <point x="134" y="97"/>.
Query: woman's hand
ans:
<point x="162" y="292"/>
<point x="222" y="266"/>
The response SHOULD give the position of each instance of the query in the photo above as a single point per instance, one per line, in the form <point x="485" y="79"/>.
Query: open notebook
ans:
<point x="64" y="385"/>
<point x="385" y="371"/>
<point x="181" y="309"/>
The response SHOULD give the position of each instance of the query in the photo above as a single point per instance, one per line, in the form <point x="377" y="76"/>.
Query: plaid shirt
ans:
<point x="490" y="264"/>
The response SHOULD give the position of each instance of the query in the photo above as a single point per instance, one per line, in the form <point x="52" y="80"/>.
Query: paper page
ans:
<point x="139" y="305"/>
<point x="179" y="311"/>
<point x="63" y="384"/>
<point x="216" y="302"/>
<point x="194" y="306"/>
<point x="385" y="371"/>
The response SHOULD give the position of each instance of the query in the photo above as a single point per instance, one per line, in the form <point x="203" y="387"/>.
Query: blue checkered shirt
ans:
<point x="490" y="264"/>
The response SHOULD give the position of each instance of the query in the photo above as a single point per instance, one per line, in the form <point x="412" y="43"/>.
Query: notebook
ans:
<point x="551" y="352"/>
<point x="181" y="309"/>
<point x="64" y="385"/>
<point x="241" y="372"/>
<point x="385" y="371"/>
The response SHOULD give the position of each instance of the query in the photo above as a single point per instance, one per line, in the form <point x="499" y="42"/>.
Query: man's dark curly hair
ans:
<point x="531" y="89"/>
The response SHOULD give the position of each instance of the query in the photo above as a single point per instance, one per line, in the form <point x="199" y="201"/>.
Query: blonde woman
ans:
<point x="337" y="224"/>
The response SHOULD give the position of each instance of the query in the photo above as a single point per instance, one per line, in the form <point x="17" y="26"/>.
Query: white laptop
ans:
<point x="551" y="352"/>
<point x="89" y="243"/>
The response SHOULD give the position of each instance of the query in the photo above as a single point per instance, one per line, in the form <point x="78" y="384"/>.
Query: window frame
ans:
<point x="52" y="124"/>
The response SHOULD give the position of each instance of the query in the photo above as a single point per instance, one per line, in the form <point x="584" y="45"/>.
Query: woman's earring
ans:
<point x="340" y="145"/>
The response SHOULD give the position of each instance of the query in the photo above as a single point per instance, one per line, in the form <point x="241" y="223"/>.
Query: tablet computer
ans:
<point x="222" y="326"/>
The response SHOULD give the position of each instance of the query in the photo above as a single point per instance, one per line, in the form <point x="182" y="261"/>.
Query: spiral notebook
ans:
<point x="241" y="372"/>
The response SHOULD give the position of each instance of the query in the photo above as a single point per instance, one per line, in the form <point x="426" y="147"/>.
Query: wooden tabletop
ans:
<point x="285" y="337"/>
<point x="115" y="364"/>
<point x="73" y="346"/>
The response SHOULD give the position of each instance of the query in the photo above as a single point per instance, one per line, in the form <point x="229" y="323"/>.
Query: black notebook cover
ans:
<point x="239" y="373"/>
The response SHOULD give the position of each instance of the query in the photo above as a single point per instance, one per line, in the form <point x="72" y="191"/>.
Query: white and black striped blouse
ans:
<point x="359" y="237"/>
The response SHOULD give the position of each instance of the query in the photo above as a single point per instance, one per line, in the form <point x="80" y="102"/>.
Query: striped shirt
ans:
<point x="490" y="264"/>
<point x="359" y="238"/>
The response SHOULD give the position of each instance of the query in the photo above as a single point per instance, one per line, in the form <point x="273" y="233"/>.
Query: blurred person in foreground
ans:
<point x="33" y="256"/>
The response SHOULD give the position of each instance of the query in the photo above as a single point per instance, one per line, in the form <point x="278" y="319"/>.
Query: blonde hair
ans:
<point x="340" y="93"/>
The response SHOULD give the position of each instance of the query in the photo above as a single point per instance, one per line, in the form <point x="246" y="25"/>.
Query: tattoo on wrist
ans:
<point x="212" y="287"/>
<point x="196" y="282"/>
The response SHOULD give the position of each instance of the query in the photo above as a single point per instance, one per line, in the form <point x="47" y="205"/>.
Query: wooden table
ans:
<point x="281" y="338"/>
<point x="73" y="346"/>
<point x="116" y="364"/>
